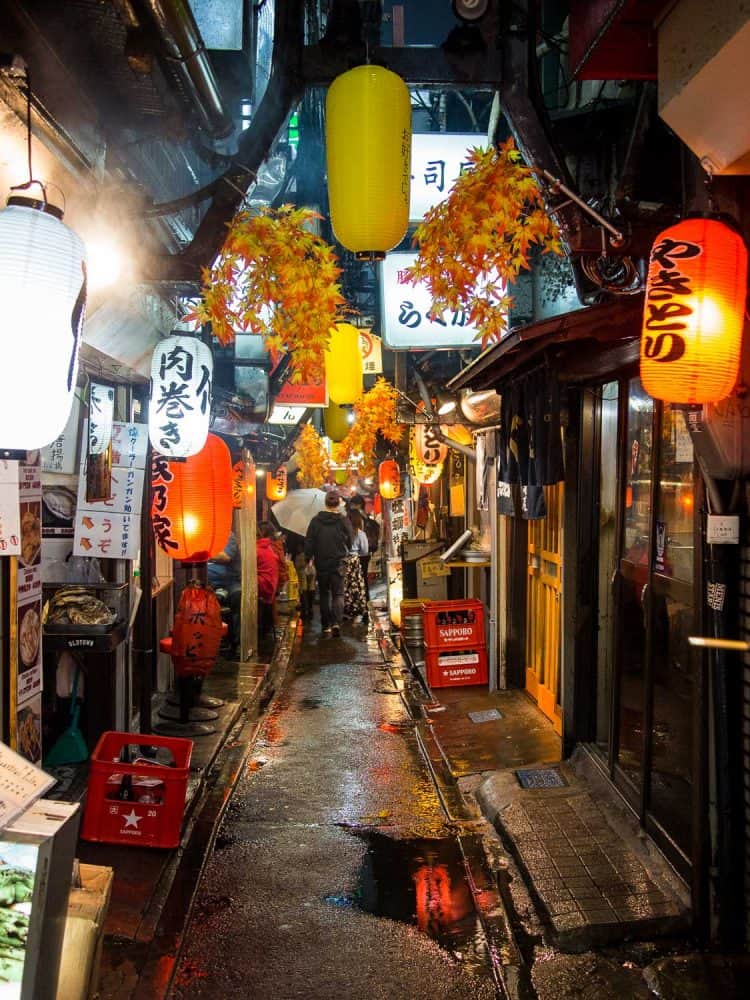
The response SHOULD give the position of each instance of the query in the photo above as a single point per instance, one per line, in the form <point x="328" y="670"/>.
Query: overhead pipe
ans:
<point x="184" y="47"/>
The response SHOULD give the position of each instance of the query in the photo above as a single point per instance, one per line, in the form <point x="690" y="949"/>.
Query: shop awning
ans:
<point x="578" y="346"/>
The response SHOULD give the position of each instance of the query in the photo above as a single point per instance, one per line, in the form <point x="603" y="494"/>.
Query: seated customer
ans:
<point x="268" y="564"/>
<point x="224" y="573"/>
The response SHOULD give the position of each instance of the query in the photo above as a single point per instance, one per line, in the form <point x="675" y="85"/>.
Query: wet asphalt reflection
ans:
<point x="334" y="873"/>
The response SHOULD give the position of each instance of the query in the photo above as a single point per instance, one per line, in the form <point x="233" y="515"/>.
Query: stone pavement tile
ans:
<point x="571" y="871"/>
<point x="562" y="907"/>
<point x="586" y="896"/>
<point x="555" y="895"/>
<point x="579" y="883"/>
<point x="568" y="922"/>
<point x="599" y="914"/>
<point x="549" y="883"/>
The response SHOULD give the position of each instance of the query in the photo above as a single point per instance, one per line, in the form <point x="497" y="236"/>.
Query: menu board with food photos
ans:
<point x="10" y="515"/>
<point x="26" y="608"/>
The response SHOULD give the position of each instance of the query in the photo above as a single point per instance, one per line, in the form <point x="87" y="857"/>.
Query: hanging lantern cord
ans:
<point x="31" y="181"/>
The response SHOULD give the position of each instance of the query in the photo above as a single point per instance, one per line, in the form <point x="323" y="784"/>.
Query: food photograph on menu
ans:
<point x="29" y="635"/>
<point x="58" y="511"/>
<point x="31" y="533"/>
<point x="17" y="874"/>
<point x="29" y="734"/>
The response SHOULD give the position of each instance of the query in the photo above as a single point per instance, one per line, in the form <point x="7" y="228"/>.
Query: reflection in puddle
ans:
<point x="423" y="883"/>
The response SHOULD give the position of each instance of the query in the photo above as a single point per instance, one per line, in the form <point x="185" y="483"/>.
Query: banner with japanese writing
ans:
<point x="110" y="529"/>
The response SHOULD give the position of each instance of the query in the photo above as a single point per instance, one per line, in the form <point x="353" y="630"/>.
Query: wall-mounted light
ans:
<point x="470" y="10"/>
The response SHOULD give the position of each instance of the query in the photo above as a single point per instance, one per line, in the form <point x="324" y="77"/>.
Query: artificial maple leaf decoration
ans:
<point x="374" y="413"/>
<point x="479" y="239"/>
<point x="276" y="278"/>
<point x="313" y="464"/>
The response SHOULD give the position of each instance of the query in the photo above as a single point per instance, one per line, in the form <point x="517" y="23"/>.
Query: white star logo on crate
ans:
<point x="131" y="819"/>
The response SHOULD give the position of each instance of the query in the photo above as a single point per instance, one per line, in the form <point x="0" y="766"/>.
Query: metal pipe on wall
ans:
<point x="185" y="49"/>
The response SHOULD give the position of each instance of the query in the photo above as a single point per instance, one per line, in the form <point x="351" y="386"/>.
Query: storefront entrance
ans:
<point x="646" y="604"/>
<point x="543" y="610"/>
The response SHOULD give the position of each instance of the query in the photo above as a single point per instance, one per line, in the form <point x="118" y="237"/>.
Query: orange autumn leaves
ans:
<point x="481" y="237"/>
<point x="277" y="278"/>
<point x="374" y="414"/>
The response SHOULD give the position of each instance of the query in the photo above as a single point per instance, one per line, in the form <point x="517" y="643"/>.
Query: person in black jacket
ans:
<point x="327" y="543"/>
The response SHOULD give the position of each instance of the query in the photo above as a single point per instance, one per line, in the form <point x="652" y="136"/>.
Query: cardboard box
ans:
<point x="84" y="933"/>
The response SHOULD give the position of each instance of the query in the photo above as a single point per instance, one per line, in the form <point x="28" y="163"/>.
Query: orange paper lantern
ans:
<point x="389" y="479"/>
<point x="192" y="505"/>
<point x="429" y="448"/>
<point x="694" y="312"/>
<point x="276" y="484"/>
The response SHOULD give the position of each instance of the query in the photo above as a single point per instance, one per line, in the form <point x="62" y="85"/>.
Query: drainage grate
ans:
<point x="488" y="715"/>
<point x="540" y="777"/>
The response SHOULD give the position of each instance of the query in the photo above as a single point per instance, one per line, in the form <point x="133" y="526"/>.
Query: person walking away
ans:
<point x="328" y="541"/>
<point x="372" y="530"/>
<point x="355" y="584"/>
<point x="224" y="573"/>
<point x="267" y="560"/>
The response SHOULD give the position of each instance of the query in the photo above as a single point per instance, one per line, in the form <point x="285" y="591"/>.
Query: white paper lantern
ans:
<point x="180" y="406"/>
<point x="43" y="296"/>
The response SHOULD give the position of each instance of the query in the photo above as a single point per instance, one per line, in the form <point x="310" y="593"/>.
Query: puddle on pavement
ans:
<point x="422" y="883"/>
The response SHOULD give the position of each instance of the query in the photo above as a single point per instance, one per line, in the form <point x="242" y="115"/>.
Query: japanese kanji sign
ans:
<point x="180" y="406"/>
<point x="406" y="313"/>
<point x="437" y="159"/>
<point x="110" y="529"/>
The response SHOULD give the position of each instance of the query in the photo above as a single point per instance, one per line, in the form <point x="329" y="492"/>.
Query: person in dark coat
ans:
<point x="328" y="541"/>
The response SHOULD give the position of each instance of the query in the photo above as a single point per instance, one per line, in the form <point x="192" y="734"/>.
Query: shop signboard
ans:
<point x="110" y="529"/>
<point x="437" y="159"/>
<point x="372" y="353"/>
<point x="60" y="456"/>
<point x="406" y="313"/>
<point x="288" y="415"/>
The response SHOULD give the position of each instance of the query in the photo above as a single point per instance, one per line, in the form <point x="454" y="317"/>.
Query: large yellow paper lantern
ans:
<point x="368" y="152"/>
<point x="343" y="361"/>
<point x="336" y="421"/>
<point x="694" y="312"/>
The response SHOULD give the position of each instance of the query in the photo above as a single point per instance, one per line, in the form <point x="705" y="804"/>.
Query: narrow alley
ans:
<point x="335" y="872"/>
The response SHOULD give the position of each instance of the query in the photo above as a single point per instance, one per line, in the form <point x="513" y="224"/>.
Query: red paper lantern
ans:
<point x="389" y="479"/>
<point x="694" y="312"/>
<point x="192" y="505"/>
<point x="196" y="633"/>
<point x="429" y="448"/>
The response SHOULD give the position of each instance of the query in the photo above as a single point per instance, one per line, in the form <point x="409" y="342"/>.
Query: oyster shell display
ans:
<point x="60" y="502"/>
<point x="76" y="606"/>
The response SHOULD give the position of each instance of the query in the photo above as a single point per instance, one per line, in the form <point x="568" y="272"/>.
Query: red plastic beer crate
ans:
<point x="454" y="624"/>
<point x="152" y="815"/>
<point x="456" y="667"/>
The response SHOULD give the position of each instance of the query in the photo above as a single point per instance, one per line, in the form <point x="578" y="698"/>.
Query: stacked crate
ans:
<point x="456" y="649"/>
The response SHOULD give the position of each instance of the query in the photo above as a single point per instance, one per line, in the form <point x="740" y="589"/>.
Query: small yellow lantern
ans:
<point x="694" y="312"/>
<point x="425" y="473"/>
<point x="368" y="153"/>
<point x="276" y="484"/>
<point x="343" y="362"/>
<point x="336" y="421"/>
<point x="389" y="479"/>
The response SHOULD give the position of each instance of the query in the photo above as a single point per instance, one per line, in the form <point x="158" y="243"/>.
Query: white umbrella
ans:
<point x="299" y="508"/>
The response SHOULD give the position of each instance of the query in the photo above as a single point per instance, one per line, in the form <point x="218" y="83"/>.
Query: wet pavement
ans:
<point x="336" y="871"/>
